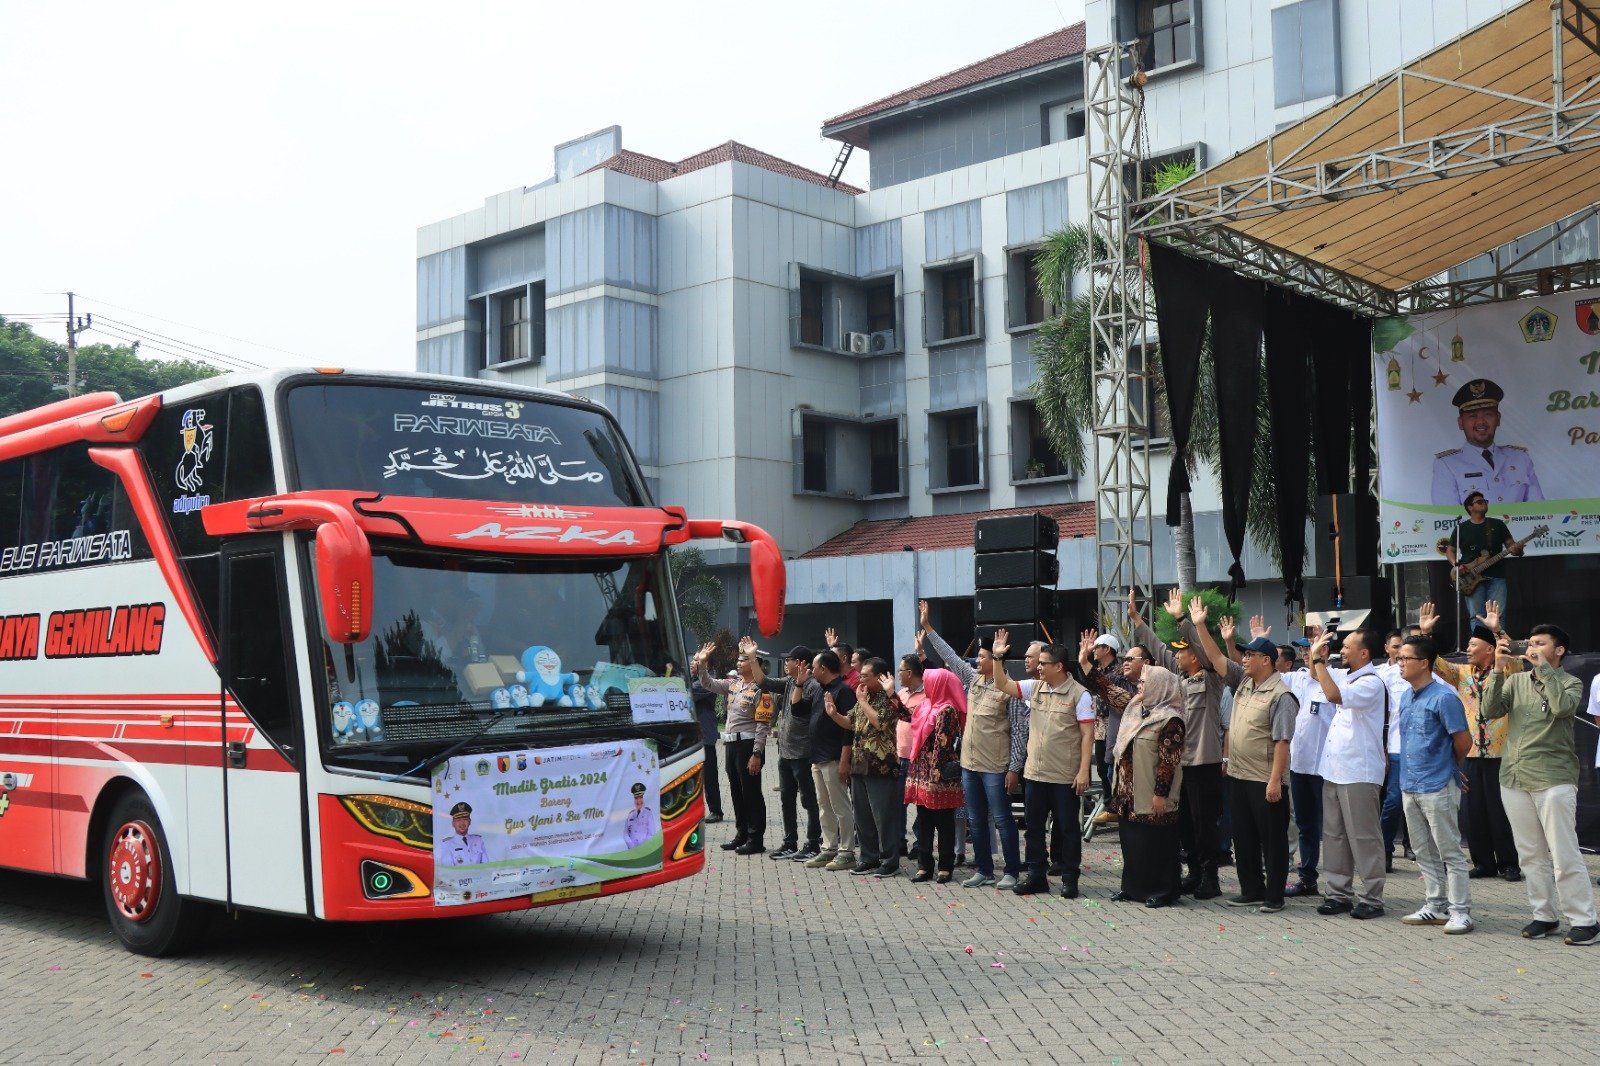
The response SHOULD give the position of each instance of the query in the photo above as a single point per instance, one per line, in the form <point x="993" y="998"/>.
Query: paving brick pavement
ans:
<point x="764" y="961"/>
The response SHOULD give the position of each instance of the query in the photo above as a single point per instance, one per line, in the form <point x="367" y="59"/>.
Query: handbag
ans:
<point x="950" y="769"/>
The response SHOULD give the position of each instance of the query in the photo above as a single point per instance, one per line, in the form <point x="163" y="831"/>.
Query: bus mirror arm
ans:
<point x="344" y="560"/>
<point x="768" y="578"/>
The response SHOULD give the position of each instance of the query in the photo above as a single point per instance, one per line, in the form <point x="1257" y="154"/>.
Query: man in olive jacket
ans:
<point x="1539" y="781"/>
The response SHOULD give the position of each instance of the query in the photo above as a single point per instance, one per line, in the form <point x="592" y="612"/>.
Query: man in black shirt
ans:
<point x="830" y="749"/>
<point x="1475" y="534"/>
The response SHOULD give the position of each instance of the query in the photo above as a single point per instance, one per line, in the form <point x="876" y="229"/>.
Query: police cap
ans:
<point x="638" y="788"/>
<point x="460" y="809"/>
<point x="1479" y="394"/>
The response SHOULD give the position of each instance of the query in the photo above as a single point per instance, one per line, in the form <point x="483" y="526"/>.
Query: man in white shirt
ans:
<point x="1594" y="712"/>
<point x="1394" y="822"/>
<point x="1305" y="783"/>
<point x="1352" y="766"/>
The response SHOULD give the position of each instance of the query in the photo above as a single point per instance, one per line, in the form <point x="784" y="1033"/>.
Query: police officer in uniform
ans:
<point x="1502" y="472"/>
<point x="642" y="822"/>
<point x="463" y="849"/>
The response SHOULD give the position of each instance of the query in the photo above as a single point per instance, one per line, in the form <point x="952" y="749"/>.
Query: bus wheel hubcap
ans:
<point x="135" y="872"/>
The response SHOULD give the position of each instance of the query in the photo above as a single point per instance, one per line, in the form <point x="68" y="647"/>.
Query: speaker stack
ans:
<point x="1014" y="577"/>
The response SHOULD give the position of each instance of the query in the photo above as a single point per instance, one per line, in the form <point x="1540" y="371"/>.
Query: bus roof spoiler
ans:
<point x="55" y="412"/>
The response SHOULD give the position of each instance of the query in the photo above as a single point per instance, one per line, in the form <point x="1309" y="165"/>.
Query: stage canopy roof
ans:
<point x="1365" y="203"/>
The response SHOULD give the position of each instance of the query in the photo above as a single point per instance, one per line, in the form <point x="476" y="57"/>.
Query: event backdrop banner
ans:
<point x="1500" y="398"/>
<point x="549" y="820"/>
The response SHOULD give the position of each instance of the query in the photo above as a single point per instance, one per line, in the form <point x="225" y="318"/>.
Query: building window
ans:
<point x="1305" y="52"/>
<point x="814" y="452"/>
<point x="1032" y="458"/>
<point x="1025" y="306"/>
<point x="1064" y="122"/>
<point x="1167" y="30"/>
<point x="954" y="309"/>
<point x="515" y="326"/>
<point x="883" y="447"/>
<point x="813" y="299"/>
<point x="880" y="307"/>
<point x="955" y="449"/>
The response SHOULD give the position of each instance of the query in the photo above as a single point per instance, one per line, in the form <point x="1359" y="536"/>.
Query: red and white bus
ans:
<point x="241" y="620"/>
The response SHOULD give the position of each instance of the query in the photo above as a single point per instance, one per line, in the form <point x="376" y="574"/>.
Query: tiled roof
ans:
<point x="943" y="531"/>
<point x="648" y="167"/>
<point x="1047" y="49"/>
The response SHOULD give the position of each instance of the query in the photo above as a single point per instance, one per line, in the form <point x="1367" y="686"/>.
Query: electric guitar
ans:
<point x="1469" y="575"/>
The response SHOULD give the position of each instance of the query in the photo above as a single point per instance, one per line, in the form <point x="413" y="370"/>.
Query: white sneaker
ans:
<point x="977" y="881"/>
<point x="1424" y="916"/>
<point x="1007" y="883"/>
<point x="1459" y="923"/>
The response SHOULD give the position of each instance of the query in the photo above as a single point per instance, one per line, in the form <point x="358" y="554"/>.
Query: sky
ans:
<point x="249" y="180"/>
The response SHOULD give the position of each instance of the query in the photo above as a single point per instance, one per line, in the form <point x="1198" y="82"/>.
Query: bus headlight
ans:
<point x="693" y="842"/>
<point x="387" y="816"/>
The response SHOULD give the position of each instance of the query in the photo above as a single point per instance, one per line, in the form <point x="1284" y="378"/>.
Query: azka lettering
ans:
<point x="601" y="537"/>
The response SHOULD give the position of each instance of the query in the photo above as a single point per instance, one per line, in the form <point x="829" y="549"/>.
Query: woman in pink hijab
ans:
<point x="936" y="727"/>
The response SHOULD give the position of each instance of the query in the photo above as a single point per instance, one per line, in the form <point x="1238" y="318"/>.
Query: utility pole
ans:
<point x="75" y="326"/>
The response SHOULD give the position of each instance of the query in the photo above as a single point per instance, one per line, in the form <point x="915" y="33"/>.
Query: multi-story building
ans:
<point x="852" y="368"/>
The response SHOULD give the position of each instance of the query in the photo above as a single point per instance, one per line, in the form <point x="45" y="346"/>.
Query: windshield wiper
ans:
<point x="434" y="760"/>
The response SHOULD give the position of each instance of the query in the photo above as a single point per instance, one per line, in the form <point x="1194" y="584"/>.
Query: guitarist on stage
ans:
<point x="1475" y="534"/>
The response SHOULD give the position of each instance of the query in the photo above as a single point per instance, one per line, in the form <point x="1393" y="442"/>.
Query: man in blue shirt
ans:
<point x="1433" y="741"/>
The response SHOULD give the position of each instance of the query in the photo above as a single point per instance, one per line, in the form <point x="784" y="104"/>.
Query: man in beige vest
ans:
<point x="1060" y="749"/>
<point x="1256" y="762"/>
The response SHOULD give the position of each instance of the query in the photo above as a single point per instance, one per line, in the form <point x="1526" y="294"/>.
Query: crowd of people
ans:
<point x="1210" y="748"/>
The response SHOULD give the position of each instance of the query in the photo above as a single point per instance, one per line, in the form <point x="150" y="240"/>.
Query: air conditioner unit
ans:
<point x="858" y="343"/>
<point x="882" y="341"/>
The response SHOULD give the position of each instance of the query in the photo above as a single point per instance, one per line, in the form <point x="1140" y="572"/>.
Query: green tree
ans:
<point x="1064" y="391"/>
<point x="32" y="368"/>
<point x="700" y="593"/>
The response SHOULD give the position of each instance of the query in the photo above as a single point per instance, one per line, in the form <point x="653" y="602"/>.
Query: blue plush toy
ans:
<point x="541" y="672"/>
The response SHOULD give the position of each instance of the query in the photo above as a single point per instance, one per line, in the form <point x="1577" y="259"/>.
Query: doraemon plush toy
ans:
<point x="596" y="701"/>
<point x="517" y="696"/>
<point x="541" y="672"/>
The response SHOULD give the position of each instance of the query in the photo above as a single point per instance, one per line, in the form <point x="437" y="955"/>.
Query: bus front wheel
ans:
<point x="146" y="912"/>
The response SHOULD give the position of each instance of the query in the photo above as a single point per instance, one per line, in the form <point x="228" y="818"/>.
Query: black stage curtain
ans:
<point x="1182" y="298"/>
<point x="1356" y="345"/>
<point x="1236" y="306"/>
<point x="1332" y="366"/>
<point x="1289" y="393"/>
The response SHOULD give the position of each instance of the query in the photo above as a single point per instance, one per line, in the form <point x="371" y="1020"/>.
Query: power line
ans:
<point x="199" y="329"/>
<point x="200" y="350"/>
<point x="144" y="343"/>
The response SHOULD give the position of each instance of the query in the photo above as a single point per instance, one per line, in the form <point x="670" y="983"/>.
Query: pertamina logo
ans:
<point x="1588" y="316"/>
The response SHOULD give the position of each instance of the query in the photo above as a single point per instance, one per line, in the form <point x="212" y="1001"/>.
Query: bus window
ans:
<point x="258" y="670"/>
<point x="60" y="510"/>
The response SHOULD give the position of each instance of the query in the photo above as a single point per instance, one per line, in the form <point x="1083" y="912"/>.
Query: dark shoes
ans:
<point x="1120" y="896"/>
<point x="1537" y="930"/>
<point x="1302" y="888"/>
<point x="1482" y="871"/>
<point x="1244" y="901"/>
<point x="1512" y="873"/>
<point x="863" y="869"/>
<point x="1069" y="888"/>
<point x="788" y="851"/>
<point x="1334" y="906"/>
<point x="921" y="877"/>
<point x="1208" y="887"/>
<point x="888" y="871"/>
<point x="1270" y="907"/>
<point x="751" y="847"/>
<point x="1155" y="903"/>
<point x="1388" y="864"/>
<point x="1364" y="911"/>
<point x="1031" y="885"/>
<point x="1054" y="870"/>
<point x="1190" y="882"/>
<point x="805" y="854"/>
<point x="1583" y="936"/>
<point x="712" y="819"/>
<point x="943" y="878"/>
<point x="734" y="845"/>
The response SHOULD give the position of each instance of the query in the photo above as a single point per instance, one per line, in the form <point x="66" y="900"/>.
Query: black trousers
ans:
<point x="1260" y="840"/>
<point x="1042" y="800"/>
<point x="794" y="778"/>
<point x="749" y="806"/>
<point x="1199" y="812"/>
<point x="1488" y="830"/>
<point x="710" y="778"/>
<point x="943" y="822"/>
<point x="1150" y="864"/>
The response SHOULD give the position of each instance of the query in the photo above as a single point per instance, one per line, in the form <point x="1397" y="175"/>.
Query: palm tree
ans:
<point x="1064" y="392"/>
<point x="700" y="593"/>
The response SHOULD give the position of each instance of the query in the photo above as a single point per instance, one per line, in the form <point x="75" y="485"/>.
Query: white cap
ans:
<point x="1109" y="640"/>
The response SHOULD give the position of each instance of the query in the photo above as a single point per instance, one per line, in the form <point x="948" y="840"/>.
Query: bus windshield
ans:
<point x="507" y="651"/>
<point x="411" y="441"/>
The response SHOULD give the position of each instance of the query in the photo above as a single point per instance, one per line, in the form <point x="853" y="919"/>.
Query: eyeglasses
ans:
<point x="1048" y="662"/>
<point x="1411" y="659"/>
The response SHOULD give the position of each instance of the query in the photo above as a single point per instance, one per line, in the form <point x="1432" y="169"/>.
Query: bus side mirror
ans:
<point x="344" y="581"/>
<point x="768" y="579"/>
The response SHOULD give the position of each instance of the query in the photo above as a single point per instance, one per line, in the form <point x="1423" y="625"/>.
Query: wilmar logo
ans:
<point x="1588" y="316"/>
<point x="1565" y="538"/>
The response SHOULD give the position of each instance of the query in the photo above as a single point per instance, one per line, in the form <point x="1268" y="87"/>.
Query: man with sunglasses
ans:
<point x="1433" y="741"/>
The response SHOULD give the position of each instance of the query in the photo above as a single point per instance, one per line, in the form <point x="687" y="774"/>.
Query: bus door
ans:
<point x="263" y="791"/>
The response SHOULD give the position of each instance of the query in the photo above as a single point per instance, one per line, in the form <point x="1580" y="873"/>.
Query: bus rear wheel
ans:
<point x="142" y="901"/>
